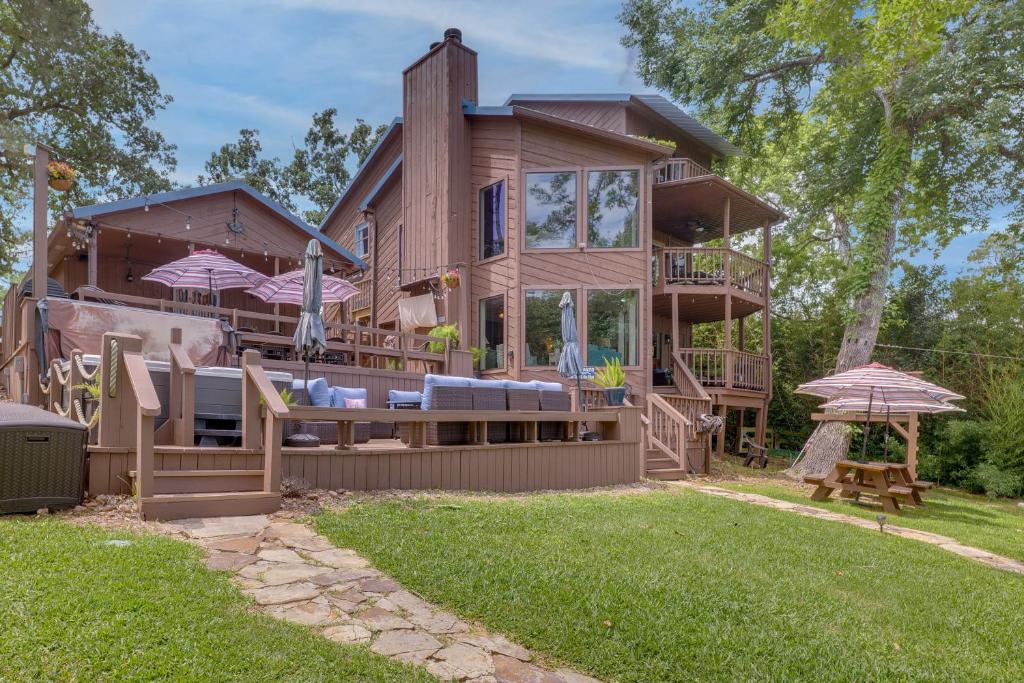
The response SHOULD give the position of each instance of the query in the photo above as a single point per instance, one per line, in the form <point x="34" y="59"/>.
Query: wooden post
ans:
<point x="741" y="328"/>
<point x="30" y="376"/>
<point x="250" y="402"/>
<point x="271" y="453"/>
<point x="277" y="307"/>
<point x="762" y="425"/>
<point x="727" y="328"/>
<point x="912" y="444"/>
<point x="723" y="412"/>
<point x="766" y="320"/>
<point x="113" y="379"/>
<point x="675" y="325"/>
<point x="94" y="255"/>
<point x="75" y="379"/>
<point x="741" y="414"/>
<point x="40" y="183"/>
<point x="182" y="411"/>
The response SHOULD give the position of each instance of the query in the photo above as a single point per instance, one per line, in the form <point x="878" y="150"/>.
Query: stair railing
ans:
<point x="70" y="383"/>
<point x="180" y="426"/>
<point x="257" y="389"/>
<point x="128" y="405"/>
<point x="667" y="429"/>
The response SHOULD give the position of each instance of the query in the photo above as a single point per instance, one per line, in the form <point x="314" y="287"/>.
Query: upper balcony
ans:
<point x="707" y="273"/>
<point x="692" y="204"/>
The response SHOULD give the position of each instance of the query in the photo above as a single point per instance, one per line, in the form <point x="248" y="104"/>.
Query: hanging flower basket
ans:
<point x="451" y="278"/>
<point x="62" y="176"/>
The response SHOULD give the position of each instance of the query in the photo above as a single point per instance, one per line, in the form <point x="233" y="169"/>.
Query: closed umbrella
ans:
<point x="288" y="288"/>
<point x="570" y="363"/>
<point x="876" y="387"/>
<point x="310" y="337"/>
<point x="206" y="269"/>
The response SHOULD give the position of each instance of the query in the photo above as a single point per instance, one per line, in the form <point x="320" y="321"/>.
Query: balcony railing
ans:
<point x="680" y="168"/>
<point x="710" y="266"/>
<point x="728" y="369"/>
<point x="363" y="298"/>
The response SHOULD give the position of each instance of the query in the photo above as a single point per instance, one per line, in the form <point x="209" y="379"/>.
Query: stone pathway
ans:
<point x="983" y="556"/>
<point x="297" y="575"/>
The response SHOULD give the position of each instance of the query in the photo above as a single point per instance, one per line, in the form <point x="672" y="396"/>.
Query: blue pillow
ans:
<point x="512" y="384"/>
<point x="431" y="381"/>
<point x="319" y="391"/>
<point x="547" y="386"/>
<point x="339" y="394"/>
<point x="399" y="396"/>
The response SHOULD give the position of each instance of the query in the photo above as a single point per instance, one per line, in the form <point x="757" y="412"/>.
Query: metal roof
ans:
<point x="395" y="123"/>
<point x="85" y="212"/>
<point x="655" y="103"/>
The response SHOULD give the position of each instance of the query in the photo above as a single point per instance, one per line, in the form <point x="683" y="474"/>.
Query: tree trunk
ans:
<point x="831" y="440"/>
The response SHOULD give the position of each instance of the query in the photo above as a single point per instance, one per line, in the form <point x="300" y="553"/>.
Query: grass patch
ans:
<point x="73" y="608"/>
<point x="996" y="526"/>
<point x="685" y="586"/>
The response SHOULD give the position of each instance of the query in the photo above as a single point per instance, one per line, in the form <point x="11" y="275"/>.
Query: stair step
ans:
<point x="187" y="505"/>
<point x="667" y="474"/>
<point x="661" y="463"/>
<point x="218" y="432"/>
<point x="205" y="481"/>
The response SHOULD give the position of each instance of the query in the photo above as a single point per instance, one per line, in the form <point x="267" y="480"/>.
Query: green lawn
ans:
<point x="684" y="586"/>
<point x="74" y="609"/>
<point x="996" y="526"/>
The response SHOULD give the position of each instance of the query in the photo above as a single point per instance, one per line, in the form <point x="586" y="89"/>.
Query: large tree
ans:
<point x="86" y="94"/>
<point x="317" y="173"/>
<point x="899" y="120"/>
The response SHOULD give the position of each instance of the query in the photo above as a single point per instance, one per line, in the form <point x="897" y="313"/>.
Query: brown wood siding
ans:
<point x="686" y="146"/>
<point x="607" y="115"/>
<point x="384" y="253"/>
<point x="436" y="159"/>
<point x="495" y="158"/>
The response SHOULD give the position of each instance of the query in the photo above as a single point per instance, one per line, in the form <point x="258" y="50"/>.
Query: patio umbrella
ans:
<point x="570" y="363"/>
<point x="923" y="405"/>
<point x="288" y="288"/>
<point x="877" y="386"/>
<point x="310" y="337"/>
<point x="208" y="269"/>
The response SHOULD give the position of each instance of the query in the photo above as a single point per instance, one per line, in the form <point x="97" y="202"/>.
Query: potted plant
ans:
<point x="62" y="176"/>
<point x="451" y="278"/>
<point x="478" y="356"/>
<point x="449" y="332"/>
<point x="612" y="379"/>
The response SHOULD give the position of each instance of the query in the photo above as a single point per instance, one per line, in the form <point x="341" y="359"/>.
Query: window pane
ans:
<point x="492" y="220"/>
<point x="492" y="332"/>
<point x="612" y="209"/>
<point x="613" y="325"/>
<point x="362" y="240"/>
<point x="551" y="210"/>
<point x="544" y="326"/>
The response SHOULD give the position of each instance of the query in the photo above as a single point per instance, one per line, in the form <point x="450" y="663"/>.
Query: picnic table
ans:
<point x="890" y="481"/>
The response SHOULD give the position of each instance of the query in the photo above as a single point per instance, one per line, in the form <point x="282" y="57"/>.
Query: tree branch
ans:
<point x="1011" y="154"/>
<point x="782" y="67"/>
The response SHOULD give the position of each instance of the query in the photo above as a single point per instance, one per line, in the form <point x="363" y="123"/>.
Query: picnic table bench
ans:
<point x="890" y="481"/>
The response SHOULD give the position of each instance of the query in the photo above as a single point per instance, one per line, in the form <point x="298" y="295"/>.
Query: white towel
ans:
<point x="417" y="311"/>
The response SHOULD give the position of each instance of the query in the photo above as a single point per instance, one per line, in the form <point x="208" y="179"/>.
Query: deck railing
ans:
<point x="729" y="369"/>
<point x="710" y="266"/>
<point x="680" y="168"/>
<point x="363" y="299"/>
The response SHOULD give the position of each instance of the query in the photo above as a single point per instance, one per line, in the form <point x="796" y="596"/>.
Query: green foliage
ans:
<point x="612" y="375"/>
<point x="90" y="387"/>
<point x="671" y="144"/>
<point x="286" y="396"/>
<point x="318" y="172"/>
<point x="84" y="93"/>
<point x="1002" y="472"/>
<point x="478" y="354"/>
<point x="954" y="458"/>
<point x="449" y="331"/>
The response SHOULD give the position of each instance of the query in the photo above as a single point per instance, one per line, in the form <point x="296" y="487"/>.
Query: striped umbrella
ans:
<point x="923" y="405"/>
<point x="310" y="337"/>
<point x="570" y="362"/>
<point x="880" y="388"/>
<point x="287" y="288"/>
<point x="205" y="269"/>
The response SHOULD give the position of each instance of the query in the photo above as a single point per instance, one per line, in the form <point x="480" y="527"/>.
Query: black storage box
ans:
<point x="42" y="459"/>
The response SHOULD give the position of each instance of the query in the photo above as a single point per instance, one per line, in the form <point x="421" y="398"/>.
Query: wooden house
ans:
<point x="608" y="197"/>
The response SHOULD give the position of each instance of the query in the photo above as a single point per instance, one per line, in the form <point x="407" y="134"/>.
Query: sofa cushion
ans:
<point x="512" y="384"/>
<point x="339" y="394"/>
<point x="319" y="391"/>
<point x="355" y="403"/>
<point x="431" y="381"/>
<point x="399" y="396"/>
<point x="487" y="383"/>
<point x="547" y="386"/>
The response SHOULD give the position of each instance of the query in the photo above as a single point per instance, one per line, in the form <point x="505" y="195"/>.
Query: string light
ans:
<point x="145" y="207"/>
<point x="188" y="222"/>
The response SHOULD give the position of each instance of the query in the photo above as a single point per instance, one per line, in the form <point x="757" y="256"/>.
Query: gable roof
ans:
<point x="656" y="104"/>
<point x="470" y="109"/>
<point x="375" y="190"/>
<point x="396" y="125"/>
<point x="86" y="212"/>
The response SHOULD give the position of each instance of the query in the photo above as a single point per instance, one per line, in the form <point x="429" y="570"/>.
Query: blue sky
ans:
<point x="270" y="64"/>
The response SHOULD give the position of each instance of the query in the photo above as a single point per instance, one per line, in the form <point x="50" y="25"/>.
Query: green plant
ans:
<point x="658" y="141"/>
<point x="59" y="170"/>
<point x="478" y="355"/>
<point x="91" y="387"/>
<point x="286" y="396"/>
<point x="449" y="332"/>
<point x="611" y="376"/>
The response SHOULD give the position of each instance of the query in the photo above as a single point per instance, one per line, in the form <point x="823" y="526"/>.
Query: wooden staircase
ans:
<point x="675" y="447"/>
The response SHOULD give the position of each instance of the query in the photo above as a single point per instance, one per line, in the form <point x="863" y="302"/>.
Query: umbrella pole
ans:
<point x="885" y="449"/>
<point x="867" y="428"/>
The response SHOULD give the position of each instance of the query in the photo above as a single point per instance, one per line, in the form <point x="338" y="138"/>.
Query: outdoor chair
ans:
<point x="449" y="433"/>
<point x="325" y="430"/>
<point x="491" y="398"/>
<point x="757" y="455"/>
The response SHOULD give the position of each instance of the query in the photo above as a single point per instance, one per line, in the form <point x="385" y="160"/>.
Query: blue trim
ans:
<point x="568" y="97"/>
<point x="372" y="194"/>
<point x="84" y="212"/>
<point x="397" y="121"/>
<point x="470" y="109"/>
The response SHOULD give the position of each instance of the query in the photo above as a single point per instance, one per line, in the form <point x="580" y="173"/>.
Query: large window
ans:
<point x="613" y="326"/>
<point x="544" y="326"/>
<point x="612" y="209"/>
<point x="551" y="210"/>
<point x="362" y="241"/>
<point x="492" y="333"/>
<point x="492" y="220"/>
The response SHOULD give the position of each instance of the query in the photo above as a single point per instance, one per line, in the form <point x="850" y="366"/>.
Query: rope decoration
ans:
<point x="86" y="376"/>
<point x="59" y="410"/>
<point x="115" y="361"/>
<point x="55" y="373"/>
<point x="80" y="414"/>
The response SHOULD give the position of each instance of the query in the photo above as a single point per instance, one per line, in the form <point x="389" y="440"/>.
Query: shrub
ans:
<point x="956" y="456"/>
<point x="1002" y="472"/>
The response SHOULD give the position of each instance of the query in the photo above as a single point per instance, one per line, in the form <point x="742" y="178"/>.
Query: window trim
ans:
<point x="640" y="319"/>
<point x="504" y="330"/>
<point x="523" y="293"/>
<point x="479" y="219"/>
<point x="356" y="240"/>
<point x="581" y="208"/>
